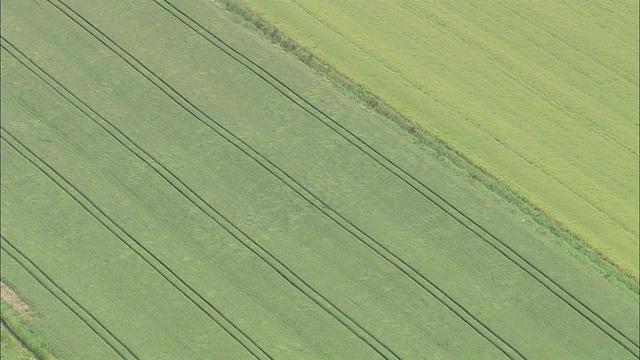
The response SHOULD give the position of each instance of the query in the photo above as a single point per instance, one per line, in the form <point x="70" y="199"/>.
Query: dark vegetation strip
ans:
<point x="184" y="288"/>
<point x="278" y="266"/>
<point x="21" y="330"/>
<point x="59" y="293"/>
<point x="481" y="232"/>
<point x="245" y="148"/>
<point x="442" y="151"/>
<point x="10" y="336"/>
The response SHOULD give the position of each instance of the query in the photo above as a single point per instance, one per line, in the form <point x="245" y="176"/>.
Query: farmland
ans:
<point x="542" y="95"/>
<point x="174" y="186"/>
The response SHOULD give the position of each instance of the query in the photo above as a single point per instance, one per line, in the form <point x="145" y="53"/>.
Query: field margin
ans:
<point x="12" y="347"/>
<point x="435" y="146"/>
<point x="23" y="333"/>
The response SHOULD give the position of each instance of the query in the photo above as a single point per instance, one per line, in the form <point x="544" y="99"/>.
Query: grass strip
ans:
<point x="20" y="328"/>
<point x="444" y="153"/>
<point x="12" y="349"/>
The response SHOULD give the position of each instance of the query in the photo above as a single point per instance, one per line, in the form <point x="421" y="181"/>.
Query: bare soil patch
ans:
<point x="12" y="299"/>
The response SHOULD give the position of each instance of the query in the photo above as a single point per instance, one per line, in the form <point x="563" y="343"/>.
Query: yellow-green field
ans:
<point x="543" y="95"/>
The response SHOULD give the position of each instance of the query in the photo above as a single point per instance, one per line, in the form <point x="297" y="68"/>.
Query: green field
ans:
<point x="176" y="187"/>
<point x="542" y="95"/>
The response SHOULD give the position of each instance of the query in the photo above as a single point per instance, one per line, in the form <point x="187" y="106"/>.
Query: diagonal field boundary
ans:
<point x="239" y="235"/>
<point x="475" y="228"/>
<point x="420" y="279"/>
<point x="160" y="267"/>
<point x="482" y="233"/>
<point x="67" y="300"/>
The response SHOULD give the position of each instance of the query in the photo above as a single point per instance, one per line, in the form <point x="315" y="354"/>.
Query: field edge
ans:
<point x="443" y="152"/>
<point x="11" y="346"/>
<point x="21" y="330"/>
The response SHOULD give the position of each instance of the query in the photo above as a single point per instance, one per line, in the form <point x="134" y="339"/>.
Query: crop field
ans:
<point x="176" y="187"/>
<point x="543" y="95"/>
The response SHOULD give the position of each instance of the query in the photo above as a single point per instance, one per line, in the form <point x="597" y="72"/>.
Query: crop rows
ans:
<point x="475" y="76"/>
<point x="214" y="215"/>
<point x="410" y="180"/>
<point x="224" y="221"/>
<point x="407" y="269"/>
<point x="118" y="346"/>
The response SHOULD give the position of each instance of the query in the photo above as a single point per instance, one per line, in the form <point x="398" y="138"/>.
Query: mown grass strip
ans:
<point x="477" y="229"/>
<point x="447" y="155"/>
<point x="118" y="346"/>
<point x="278" y="266"/>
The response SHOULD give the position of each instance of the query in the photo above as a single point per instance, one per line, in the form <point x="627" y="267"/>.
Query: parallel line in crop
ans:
<point x="489" y="238"/>
<point x="507" y="72"/>
<point x="405" y="181"/>
<point x="158" y="265"/>
<point x="604" y="131"/>
<point x="422" y="281"/>
<point x="561" y="106"/>
<point x="620" y="73"/>
<point x="67" y="300"/>
<point x="278" y="266"/>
